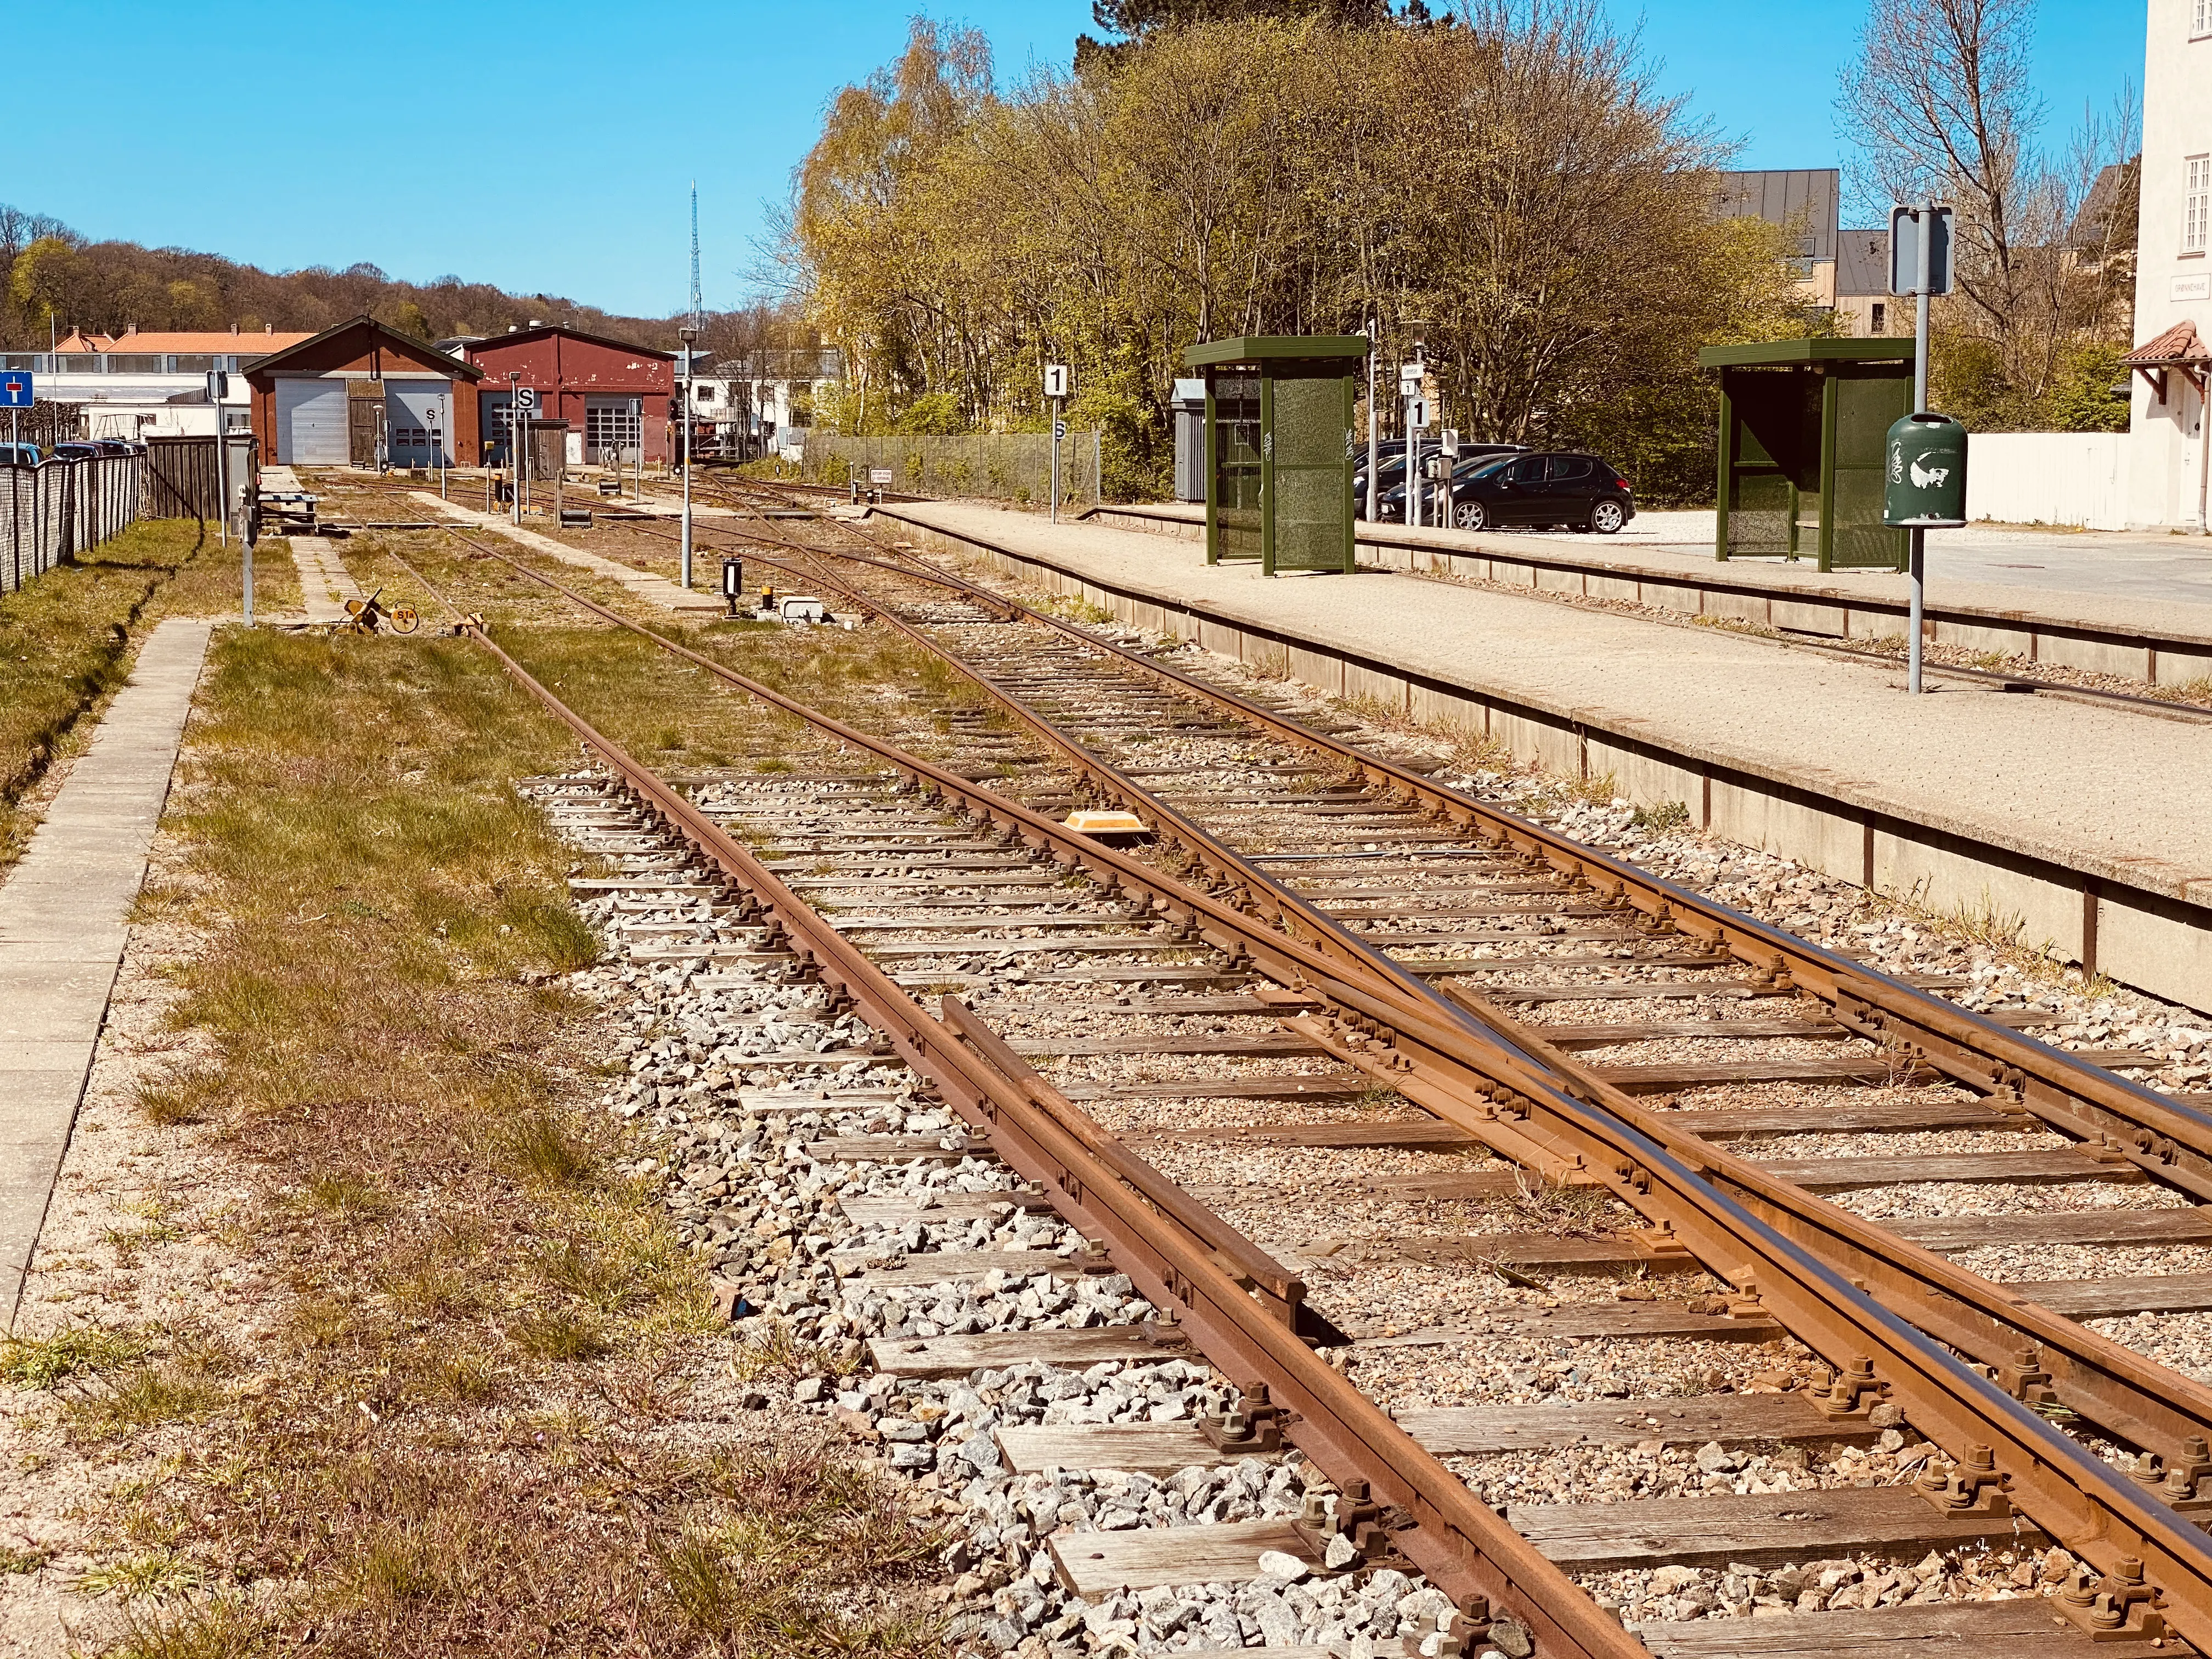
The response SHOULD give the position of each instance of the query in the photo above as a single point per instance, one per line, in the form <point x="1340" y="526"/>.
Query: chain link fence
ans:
<point x="63" y="507"/>
<point x="1007" y="466"/>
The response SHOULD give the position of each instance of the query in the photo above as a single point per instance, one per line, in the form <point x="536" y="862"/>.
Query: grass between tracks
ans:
<point x="67" y="640"/>
<point x="484" y="1411"/>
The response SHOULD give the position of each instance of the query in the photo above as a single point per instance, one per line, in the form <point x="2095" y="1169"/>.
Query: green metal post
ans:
<point x="1266" y="475"/>
<point x="1827" y="473"/>
<point x="1726" y="468"/>
<point x="1212" y="477"/>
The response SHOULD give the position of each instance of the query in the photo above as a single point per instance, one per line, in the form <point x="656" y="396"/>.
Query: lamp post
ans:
<point x="687" y="334"/>
<point x="515" y="441"/>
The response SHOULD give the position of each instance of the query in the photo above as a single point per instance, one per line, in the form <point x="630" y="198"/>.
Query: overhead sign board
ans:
<point x="16" y="389"/>
<point x="1904" y="274"/>
<point x="1055" y="380"/>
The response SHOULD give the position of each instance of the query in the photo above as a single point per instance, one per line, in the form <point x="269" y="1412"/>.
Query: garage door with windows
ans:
<point x="310" y="423"/>
<point x="415" y="422"/>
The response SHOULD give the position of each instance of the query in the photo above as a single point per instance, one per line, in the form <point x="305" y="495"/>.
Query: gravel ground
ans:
<point x="751" y="1201"/>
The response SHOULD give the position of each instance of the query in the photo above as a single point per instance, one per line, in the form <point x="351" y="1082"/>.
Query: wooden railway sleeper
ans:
<point x="2105" y="1523"/>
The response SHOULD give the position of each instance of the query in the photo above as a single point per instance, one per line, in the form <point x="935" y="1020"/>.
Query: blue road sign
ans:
<point x="16" y="389"/>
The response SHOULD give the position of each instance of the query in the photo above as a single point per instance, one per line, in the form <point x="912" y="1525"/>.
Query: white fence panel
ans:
<point x="2048" y="478"/>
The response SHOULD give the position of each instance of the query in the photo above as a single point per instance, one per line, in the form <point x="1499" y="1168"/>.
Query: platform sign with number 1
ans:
<point x="1055" y="389"/>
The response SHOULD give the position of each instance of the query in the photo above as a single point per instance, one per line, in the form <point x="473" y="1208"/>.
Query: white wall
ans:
<point x="2048" y="478"/>
<point x="2173" y="282"/>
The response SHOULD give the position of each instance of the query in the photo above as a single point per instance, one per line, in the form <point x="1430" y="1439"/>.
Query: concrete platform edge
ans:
<point x="2157" y="941"/>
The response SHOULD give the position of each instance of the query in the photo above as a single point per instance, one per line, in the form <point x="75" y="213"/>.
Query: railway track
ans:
<point x="1298" y="966"/>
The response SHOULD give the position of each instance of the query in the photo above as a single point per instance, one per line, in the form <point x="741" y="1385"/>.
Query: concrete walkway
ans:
<point x="324" y="582"/>
<point x="63" y="923"/>
<point x="654" y="590"/>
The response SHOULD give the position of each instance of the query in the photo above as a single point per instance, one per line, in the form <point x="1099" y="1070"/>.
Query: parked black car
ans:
<point x="75" y="450"/>
<point x="1392" y="475"/>
<point x="1568" y="488"/>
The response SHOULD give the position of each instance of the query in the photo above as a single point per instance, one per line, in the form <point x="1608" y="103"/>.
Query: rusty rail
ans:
<point x="1544" y="1111"/>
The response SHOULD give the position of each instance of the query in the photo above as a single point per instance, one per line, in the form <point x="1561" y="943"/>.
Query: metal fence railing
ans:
<point x="66" y="507"/>
<point x="1013" y="467"/>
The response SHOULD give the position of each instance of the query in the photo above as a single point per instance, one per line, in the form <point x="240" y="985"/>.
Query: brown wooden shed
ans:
<point x="359" y="390"/>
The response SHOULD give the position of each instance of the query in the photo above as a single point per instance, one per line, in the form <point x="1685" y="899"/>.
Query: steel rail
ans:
<point x="2169" y="1139"/>
<point x="1541" y="1113"/>
<point x="1459" y="1542"/>
<point x="2129" y="1395"/>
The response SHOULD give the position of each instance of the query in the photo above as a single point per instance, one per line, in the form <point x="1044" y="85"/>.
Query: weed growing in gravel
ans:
<point x="774" y="1353"/>
<point x="40" y="1362"/>
<point x="161" y="1573"/>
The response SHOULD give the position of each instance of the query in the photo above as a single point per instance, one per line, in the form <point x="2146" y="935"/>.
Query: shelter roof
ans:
<point x="1781" y="354"/>
<point x="1274" y="348"/>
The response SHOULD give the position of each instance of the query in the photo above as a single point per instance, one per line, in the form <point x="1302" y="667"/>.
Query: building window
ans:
<point x="1882" y="311"/>
<point x="2197" y="204"/>
<point x="2200" y="18"/>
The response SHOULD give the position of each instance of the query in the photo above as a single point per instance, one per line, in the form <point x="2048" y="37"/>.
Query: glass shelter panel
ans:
<point x="1238" y="464"/>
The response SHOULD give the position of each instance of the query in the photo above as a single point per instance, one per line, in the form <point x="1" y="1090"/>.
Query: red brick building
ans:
<point x="614" y="396"/>
<point x="359" y="389"/>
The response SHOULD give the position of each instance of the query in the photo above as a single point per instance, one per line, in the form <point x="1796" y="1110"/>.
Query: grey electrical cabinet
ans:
<point x="1189" y="407"/>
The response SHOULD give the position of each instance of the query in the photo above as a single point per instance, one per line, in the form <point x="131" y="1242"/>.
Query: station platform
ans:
<point x="2135" y="606"/>
<point x="2091" y="823"/>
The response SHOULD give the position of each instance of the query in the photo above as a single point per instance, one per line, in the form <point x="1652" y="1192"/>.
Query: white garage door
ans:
<point x="310" y="423"/>
<point x="415" y="418"/>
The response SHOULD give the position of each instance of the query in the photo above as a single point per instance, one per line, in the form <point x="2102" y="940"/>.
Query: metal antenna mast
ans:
<point x="698" y="311"/>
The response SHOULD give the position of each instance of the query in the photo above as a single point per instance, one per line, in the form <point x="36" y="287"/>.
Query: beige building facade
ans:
<point x="2167" y="432"/>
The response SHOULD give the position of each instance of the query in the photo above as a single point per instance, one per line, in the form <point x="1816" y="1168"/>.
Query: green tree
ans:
<point x="2090" y="392"/>
<point x="932" y="414"/>
<point x="50" y="280"/>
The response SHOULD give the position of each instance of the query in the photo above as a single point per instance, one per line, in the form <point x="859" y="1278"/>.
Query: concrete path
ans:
<point x="63" y="923"/>
<point x="654" y="590"/>
<point x="324" y="582"/>
<point x="2117" y="794"/>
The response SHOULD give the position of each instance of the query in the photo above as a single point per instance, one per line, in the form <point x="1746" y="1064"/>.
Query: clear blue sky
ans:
<point x="359" y="132"/>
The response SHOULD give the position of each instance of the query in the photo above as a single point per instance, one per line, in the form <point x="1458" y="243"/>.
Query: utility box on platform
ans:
<point x="1188" y="410"/>
<point x="1804" y="438"/>
<point x="1278" y="448"/>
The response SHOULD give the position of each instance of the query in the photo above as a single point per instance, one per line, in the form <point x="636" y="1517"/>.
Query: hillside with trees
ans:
<point x="52" y="280"/>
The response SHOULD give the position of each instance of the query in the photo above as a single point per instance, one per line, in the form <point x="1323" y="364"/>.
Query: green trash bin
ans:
<point x="1924" y="474"/>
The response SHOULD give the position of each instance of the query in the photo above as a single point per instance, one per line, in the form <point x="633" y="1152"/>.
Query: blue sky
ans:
<point x="356" y="133"/>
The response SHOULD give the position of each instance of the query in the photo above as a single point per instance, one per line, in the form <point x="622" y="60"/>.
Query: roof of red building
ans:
<point x="520" y="335"/>
<point x="213" y="342"/>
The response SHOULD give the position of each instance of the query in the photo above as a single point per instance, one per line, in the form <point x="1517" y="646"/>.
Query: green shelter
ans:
<point x="1803" y="428"/>
<point x="1278" y="448"/>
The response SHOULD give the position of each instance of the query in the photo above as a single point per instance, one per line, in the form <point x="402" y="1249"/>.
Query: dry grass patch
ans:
<point x="470" y="1422"/>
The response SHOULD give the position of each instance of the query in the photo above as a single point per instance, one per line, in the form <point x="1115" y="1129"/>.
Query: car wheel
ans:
<point x="1607" y="518"/>
<point x="1471" y="515"/>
